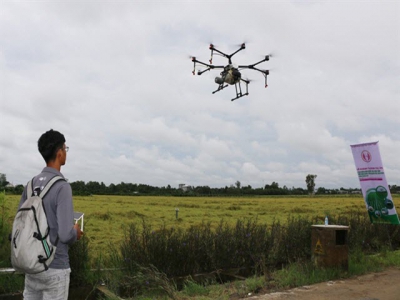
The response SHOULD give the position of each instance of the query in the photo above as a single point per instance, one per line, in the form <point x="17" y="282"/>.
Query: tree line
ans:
<point x="81" y="188"/>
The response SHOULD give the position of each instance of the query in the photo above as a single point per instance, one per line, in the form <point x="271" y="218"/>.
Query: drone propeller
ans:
<point x="242" y="45"/>
<point x="267" y="56"/>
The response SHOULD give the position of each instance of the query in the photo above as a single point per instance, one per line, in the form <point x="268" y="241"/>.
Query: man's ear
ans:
<point x="59" y="154"/>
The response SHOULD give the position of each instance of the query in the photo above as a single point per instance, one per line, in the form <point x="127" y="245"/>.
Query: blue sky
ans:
<point x="115" y="78"/>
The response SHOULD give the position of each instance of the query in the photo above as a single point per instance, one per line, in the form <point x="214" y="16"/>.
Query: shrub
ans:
<point x="367" y="236"/>
<point x="79" y="262"/>
<point x="164" y="259"/>
<point x="226" y="253"/>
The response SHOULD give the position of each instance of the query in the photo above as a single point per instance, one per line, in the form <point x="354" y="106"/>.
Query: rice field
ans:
<point x="107" y="217"/>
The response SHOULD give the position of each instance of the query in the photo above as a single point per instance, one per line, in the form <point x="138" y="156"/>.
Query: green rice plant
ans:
<point x="234" y="207"/>
<point x="103" y="216"/>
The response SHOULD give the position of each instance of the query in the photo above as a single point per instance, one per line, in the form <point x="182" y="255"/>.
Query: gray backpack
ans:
<point x="31" y="249"/>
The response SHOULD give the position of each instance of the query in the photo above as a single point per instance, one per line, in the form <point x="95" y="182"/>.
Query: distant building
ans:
<point x="184" y="187"/>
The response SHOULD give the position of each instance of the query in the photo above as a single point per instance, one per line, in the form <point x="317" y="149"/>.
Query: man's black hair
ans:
<point x="49" y="143"/>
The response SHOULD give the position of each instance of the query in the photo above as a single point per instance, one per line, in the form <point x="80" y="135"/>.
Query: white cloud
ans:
<point x="115" y="78"/>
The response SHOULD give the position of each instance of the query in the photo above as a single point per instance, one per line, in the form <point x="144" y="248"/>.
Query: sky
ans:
<point x="115" y="77"/>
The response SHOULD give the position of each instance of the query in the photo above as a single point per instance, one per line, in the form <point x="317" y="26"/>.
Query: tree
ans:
<point x="3" y="180"/>
<point x="18" y="189"/>
<point x="238" y="184"/>
<point x="310" y="181"/>
<point x="79" y="188"/>
<point x="273" y="185"/>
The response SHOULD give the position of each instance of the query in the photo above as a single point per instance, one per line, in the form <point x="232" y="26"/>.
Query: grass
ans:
<point x="243" y="251"/>
<point x="192" y="288"/>
<point x="216" y="224"/>
<point x="294" y="275"/>
<point x="5" y="229"/>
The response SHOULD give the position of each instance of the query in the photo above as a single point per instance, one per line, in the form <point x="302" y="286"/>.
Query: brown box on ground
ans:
<point x="329" y="248"/>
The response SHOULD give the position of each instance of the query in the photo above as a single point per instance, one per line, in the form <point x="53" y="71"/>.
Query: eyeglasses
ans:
<point x="66" y="148"/>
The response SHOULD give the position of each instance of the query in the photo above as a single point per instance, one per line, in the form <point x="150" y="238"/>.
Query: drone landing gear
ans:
<point x="220" y="87"/>
<point x="238" y="87"/>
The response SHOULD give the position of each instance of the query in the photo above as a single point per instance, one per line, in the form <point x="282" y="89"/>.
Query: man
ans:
<point x="54" y="283"/>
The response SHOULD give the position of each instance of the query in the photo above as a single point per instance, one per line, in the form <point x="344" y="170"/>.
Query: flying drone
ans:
<point x="230" y="74"/>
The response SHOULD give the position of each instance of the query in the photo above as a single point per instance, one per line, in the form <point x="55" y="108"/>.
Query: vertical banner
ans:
<point x="375" y="190"/>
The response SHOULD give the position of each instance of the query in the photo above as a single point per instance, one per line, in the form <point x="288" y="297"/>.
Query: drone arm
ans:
<point x="220" y="52"/>
<point x="201" y="72"/>
<point x="243" y="46"/>
<point x="209" y="67"/>
<point x="265" y="59"/>
<point x="194" y="60"/>
<point x="264" y="72"/>
<point x="253" y="65"/>
<point x="240" y="49"/>
<point x="200" y="62"/>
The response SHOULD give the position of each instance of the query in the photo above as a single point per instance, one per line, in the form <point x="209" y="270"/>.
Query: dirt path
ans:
<point x="375" y="286"/>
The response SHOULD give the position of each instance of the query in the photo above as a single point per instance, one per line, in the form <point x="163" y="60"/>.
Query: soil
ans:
<point x="375" y="286"/>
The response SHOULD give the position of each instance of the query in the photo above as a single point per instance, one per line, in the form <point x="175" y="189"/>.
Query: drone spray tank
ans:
<point x="230" y="75"/>
<point x="219" y="80"/>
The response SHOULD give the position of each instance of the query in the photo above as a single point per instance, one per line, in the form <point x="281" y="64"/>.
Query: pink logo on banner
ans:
<point x="366" y="156"/>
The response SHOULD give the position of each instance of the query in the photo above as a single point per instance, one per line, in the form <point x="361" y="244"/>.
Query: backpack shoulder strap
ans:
<point x="49" y="185"/>
<point x="29" y="191"/>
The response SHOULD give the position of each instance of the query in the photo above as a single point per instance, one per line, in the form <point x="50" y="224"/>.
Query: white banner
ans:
<point x="378" y="200"/>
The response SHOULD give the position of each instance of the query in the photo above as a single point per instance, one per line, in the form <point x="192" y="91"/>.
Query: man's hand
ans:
<point x="79" y="232"/>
